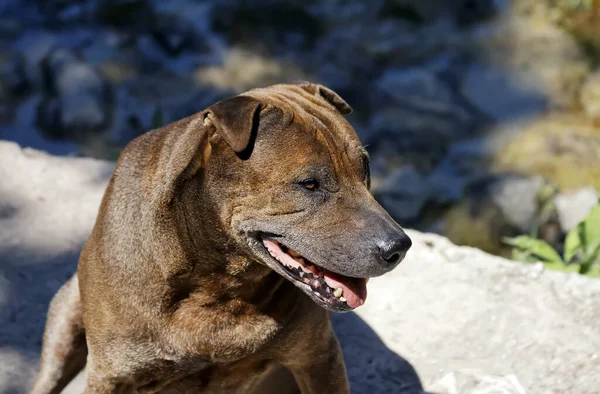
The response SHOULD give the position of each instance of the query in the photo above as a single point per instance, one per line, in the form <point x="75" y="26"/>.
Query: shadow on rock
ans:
<point x="372" y="366"/>
<point x="26" y="293"/>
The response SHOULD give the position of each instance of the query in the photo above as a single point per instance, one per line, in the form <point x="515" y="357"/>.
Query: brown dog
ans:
<point x="221" y="243"/>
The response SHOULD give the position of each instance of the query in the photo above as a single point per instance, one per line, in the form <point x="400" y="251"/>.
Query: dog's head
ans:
<point x="286" y="174"/>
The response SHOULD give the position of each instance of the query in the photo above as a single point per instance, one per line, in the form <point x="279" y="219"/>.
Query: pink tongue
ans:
<point x="275" y="250"/>
<point x="354" y="289"/>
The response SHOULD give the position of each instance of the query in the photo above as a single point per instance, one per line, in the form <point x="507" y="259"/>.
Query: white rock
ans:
<point x="573" y="207"/>
<point x="404" y="193"/>
<point x="427" y="314"/>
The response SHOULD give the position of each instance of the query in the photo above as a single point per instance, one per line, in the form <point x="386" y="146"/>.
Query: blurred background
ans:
<point x="481" y="117"/>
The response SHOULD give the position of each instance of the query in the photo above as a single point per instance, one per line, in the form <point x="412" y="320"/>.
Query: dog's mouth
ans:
<point x="331" y="290"/>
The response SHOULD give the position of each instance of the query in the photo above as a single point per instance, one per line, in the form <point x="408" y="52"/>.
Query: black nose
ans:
<point x="393" y="250"/>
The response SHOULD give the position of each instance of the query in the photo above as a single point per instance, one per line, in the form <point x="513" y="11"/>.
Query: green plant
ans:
<point x="545" y="207"/>
<point x="581" y="248"/>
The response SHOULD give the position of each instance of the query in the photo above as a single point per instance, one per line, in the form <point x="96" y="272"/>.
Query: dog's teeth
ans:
<point x="338" y="292"/>
<point x="313" y="269"/>
<point x="342" y="299"/>
<point x="316" y="284"/>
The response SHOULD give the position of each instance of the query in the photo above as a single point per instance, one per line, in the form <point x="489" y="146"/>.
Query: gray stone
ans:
<point x="464" y="11"/>
<point x="401" y="43"/>
<point x="513" y="196"/>
<point x="132" y="14"/>
<point x="280" y="26"/>
<point x="77" y="101"/>
<point x="74" y="12"/>
<point x="420" y="115"/>
<point x="590" y="96"/>
<point x="498" y="205"/>
<point x="168" y="95"/>
<point x="13" y="75"/>
<point x="537" y="56"/>
<point x="176" y="34"/>
<point x="403" y="193"/>
<point x="177" y="95"/>
<point x="34" y="46"/>
<point x="152" y="58"/>
<point x="517" y="198"/>
<point x="80" y="37"/>
<point x="14" y="85"/>
<point x="422" y="89"/>
<point x="574" y="206"/>
<point x="464" y="163"/>
<point x="501" y="94"/>
<point x="448" y="320"/>
<point x="23" y="130"/>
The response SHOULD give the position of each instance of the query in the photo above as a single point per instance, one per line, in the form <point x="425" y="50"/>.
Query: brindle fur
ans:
<point x="172" y="293"/>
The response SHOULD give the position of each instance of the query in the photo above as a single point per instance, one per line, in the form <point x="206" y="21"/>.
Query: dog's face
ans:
<point x="296" y="195"/>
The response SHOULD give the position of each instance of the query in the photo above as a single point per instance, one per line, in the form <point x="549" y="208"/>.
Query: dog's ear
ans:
<point x="235" y="119"/>
<point x="328" y="95"/>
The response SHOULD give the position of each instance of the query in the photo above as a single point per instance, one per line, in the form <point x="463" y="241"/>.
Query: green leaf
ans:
<point x="536" y="247"/>
<point x="594" y="271"/>
<point x="555" y="266"/>
<point x="595" y="255"/>
<point x="589" y="261"/>
<point x="572" y="244"/>
<point x="524" y="256"/>
<point x="591" y="230"/>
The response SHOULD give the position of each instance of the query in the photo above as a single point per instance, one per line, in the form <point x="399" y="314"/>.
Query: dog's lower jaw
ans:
<point x="332" y="291"/>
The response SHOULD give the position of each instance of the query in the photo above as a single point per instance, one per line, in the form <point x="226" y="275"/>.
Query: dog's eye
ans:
<point x="310" y="184"/>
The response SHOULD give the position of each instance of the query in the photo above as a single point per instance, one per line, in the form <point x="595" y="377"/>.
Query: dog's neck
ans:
<point x="219" y="265"/>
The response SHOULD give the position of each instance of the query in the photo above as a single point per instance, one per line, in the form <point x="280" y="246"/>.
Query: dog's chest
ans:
<point x="238" y="377"/>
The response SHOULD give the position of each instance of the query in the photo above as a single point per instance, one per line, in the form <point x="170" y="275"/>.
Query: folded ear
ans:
<point x="235" y="119"/>
<point x="185" y="145"/>
<point x="328" y="95"/>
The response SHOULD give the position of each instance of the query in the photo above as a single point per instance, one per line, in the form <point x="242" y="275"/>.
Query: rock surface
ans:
<point x="448" y="320"/>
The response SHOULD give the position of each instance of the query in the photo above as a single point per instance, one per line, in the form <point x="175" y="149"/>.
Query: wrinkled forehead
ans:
<point x="308" y="118"/>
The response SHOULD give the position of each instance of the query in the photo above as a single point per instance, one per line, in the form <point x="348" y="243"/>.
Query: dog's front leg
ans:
<point x="318" y="367"/>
